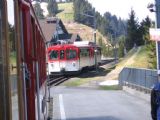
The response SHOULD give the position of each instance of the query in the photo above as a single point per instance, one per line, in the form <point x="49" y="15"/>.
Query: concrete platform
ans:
<point x="109" y="83"/>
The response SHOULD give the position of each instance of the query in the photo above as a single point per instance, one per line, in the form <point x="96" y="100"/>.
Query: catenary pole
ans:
<point x="157" y="25"/>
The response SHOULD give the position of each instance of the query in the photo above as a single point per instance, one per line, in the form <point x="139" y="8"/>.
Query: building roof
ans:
<point x="49" y="27"/>
<point x="71" y="38"/>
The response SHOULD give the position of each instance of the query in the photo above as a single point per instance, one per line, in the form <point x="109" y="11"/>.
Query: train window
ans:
<point x="13" y="60"/>
<point x="84" y="52"/>
<point x="62" y="54"/>
<point x="71" y="54"/>
<point x="98" y="51"/>
<point x="53" y="55"/>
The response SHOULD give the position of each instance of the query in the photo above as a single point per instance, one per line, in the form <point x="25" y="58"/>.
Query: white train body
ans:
<point x="71" y="58"/>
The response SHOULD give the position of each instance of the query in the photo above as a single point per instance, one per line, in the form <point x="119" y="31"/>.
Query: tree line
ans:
<point x="106" y="24"/>
<point x="52" y="8"/>
<point x="125" y="34"/>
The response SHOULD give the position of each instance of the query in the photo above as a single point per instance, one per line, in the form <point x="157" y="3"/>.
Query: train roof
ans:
<point x="85" y="44"/>
<point x="61" y="46"/>
<point x="79" y="44"/>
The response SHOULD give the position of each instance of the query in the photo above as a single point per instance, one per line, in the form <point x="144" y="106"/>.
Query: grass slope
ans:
<point x="139" y="60"/>
<point x="66" y="14"/>
<point x="137" y="57"/>
<point x="84" y="31"/>
<point x="65" y="11"/>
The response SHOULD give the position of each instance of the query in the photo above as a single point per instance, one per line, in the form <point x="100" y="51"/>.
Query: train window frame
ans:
<point x="68" y="56"/>
<point x="84" y="52"/>
<point x="62" y="57"/>
<point x="50" y="52"/>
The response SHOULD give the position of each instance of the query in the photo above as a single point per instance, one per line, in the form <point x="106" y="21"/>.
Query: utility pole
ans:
<point x="156" y="8"/>
<point x="95" y="41"/>
<point x="157" y="25"/>
<point x="94" y="20"/>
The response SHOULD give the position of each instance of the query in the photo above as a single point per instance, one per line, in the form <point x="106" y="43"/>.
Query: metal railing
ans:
<point x="138" y="78"/>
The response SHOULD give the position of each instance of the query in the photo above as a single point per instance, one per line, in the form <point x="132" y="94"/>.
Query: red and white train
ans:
<point x="72" y="58"/>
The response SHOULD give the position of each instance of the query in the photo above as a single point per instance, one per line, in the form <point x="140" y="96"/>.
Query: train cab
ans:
<point x="62" y="59"/>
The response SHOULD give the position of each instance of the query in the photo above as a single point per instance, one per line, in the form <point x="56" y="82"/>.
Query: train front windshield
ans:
<point x="53" y="55"/>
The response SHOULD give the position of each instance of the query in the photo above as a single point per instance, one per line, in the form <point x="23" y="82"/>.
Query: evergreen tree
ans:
<point x="104" y="49"/>
<point x="107" y="24"/>
<point x="121" y="46"/>
<point x="132" y="31"/>
<point x="82" y="7"/>
<point x="38" y="10"/>
<point x="144" y="30"/>
<point x="11" y="30"/>
<point x="52" y="7"/>
<point x="76" y="8"/>
<point x="152" y="55"/>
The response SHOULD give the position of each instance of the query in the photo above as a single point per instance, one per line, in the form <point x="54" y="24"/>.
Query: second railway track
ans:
<point x="56" y="80"/>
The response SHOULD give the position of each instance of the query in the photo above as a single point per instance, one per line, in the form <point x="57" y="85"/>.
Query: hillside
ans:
<point x="136" y="58"/>
<point x="65" y="11"/>
<point x="84" y="31"/>
<point x="66" y="15"/>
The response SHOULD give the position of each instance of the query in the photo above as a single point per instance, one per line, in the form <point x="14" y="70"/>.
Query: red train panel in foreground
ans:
<point x="33" y="60"/>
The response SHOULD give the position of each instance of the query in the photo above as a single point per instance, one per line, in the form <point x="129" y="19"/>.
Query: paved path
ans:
<point x="89" y="104"/>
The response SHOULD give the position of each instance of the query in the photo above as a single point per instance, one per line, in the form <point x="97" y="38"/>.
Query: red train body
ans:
<point x="72" y="58"/>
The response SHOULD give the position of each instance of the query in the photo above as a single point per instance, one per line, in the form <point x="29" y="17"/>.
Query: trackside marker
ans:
<point x="62" y="112"/>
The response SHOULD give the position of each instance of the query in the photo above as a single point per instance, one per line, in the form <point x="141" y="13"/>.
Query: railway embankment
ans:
<point x="108" y="71"/>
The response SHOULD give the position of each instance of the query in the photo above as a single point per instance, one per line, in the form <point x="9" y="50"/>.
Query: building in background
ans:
<point x="56" y="33"/>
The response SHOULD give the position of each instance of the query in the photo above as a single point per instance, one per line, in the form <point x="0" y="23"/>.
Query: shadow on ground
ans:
<point x="59" y="11"/>
<point x="95" y="118"/>
<point x="90" y="72"/>
<point x="104" y="62"/>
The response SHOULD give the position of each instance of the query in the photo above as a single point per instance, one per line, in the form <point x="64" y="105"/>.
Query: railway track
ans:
<point x="107" y="61"/>
<point x="56" y="80"/>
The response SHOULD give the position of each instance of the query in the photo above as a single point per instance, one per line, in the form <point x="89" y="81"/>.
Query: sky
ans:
<point x="122" y="8"/>
<point x="10" y="11"/>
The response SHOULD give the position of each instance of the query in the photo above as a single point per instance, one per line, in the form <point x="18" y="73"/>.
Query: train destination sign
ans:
<point x="154" y="34"/>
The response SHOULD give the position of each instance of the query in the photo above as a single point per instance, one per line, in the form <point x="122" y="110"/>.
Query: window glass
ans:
<point x="71" y="54"/>
<point x="53" y="55"/>
<point x="84" y="52"/>
<point x="13" y="59"/>
<point x="62" y="54"/>
<point x="98" y="51"/>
